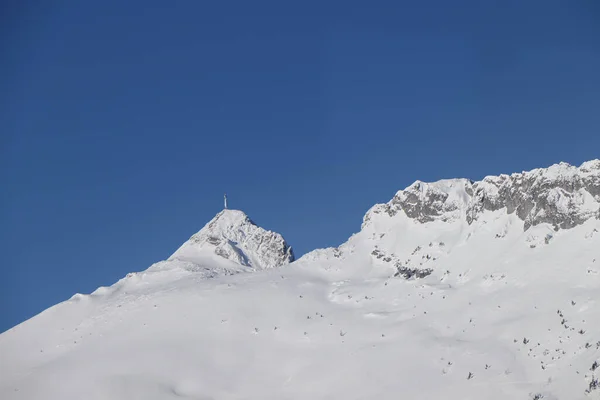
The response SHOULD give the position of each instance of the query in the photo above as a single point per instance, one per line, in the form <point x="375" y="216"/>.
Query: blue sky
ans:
<point x="122" y="123"/>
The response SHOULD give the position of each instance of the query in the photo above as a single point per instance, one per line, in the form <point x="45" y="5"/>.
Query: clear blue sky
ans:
<point x="123" y="122"/>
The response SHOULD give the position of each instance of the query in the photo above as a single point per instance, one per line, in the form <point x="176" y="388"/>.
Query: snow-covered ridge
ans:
<point x="561" y="195"/>
<point x="462" y="305"/>
<point x="233" y="236"/>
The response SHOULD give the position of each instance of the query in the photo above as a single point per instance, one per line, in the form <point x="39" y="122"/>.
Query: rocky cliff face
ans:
<point x="561" y="195"/>
<point x="233" y="236"/>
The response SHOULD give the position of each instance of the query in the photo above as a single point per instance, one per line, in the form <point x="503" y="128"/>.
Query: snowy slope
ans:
<point x="453" y="290"/>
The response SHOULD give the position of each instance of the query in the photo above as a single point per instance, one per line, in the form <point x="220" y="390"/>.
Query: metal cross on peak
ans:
<point x="225" y="200"/>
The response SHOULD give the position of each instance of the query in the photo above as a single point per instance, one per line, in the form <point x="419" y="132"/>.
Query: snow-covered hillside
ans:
<point x="452" y="290"/>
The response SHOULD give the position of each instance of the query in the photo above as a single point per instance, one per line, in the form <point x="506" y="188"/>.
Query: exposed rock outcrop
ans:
<point x="561" y="195"/>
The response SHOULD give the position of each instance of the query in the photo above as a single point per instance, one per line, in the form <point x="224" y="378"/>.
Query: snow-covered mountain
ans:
<point x="233" y="236"/>
<point x="562" y="195"/>
<point x="454" y="289"/>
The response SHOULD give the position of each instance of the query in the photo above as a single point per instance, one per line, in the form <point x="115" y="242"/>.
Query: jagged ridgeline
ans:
<point x="561" y="195"/>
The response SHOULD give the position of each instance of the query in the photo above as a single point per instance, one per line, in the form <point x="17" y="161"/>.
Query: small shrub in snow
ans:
<point x="594" y="385"/>
<point x="470" y="376"/>
<point x="594" y="366"/>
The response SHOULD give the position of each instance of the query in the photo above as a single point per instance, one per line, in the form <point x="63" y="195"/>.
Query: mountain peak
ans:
<point x="228" y="219"/>
<point x="562" y="195"/>
<point x="232" y="235"/>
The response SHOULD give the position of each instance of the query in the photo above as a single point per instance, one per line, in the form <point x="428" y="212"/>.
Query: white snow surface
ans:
<point x="505" y="313"/>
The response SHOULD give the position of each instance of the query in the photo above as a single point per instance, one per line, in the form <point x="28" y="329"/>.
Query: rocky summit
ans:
<point x="562" y="195"/>
<point x="233" y="236"/>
